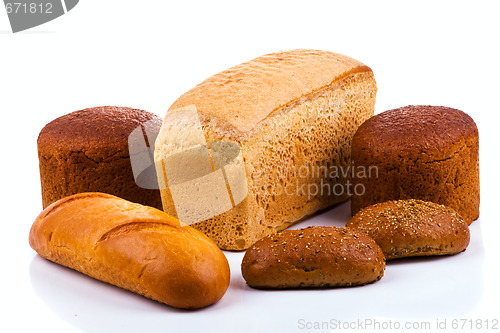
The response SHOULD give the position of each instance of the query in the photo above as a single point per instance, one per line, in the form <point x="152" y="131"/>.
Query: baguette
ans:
<point x="409" y="228"/>
<point x="134" y="247"/>
<point x="313" y="257"/>
<point x="292" y="114"/>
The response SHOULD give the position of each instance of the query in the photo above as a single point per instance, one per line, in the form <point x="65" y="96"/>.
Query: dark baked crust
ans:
<point x="99" y="131"/>
<point x="422" y="152"/>
<point x="313" y="257"/>
<point x="409" y="228"/>
<point x="87" y="151"/>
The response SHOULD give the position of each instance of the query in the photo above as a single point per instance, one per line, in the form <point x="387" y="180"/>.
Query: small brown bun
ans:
<point x="313" y="257"/>
<point x="409" y="228"/>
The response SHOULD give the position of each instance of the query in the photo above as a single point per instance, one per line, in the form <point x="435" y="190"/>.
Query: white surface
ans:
<point x="145" y="54"/>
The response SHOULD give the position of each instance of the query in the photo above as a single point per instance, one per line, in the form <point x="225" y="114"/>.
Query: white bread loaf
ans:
<point x="292" y="114"/>
<point x="134" y="247"/>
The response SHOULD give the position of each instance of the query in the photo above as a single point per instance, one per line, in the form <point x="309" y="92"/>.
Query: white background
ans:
<point x="144" y="54"/>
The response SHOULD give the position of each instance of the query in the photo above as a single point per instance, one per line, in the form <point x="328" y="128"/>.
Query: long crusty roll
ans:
<point x="134" y="247"/>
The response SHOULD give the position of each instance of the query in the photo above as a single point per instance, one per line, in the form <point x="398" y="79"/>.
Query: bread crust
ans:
<point x="241" y="97"/>
<point x="409" y="228"/>
<point x="87" y="151"/>
<point x="313" y="257"/>
<point x="288" y="111"/>
<point x="422" y="152"/>
<point x="134" y="247"/>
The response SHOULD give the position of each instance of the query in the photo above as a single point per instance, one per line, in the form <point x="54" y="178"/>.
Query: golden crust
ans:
<point x="238" y="98"/>
<point x="288" y="111"/>
<point x="134" y="247"/>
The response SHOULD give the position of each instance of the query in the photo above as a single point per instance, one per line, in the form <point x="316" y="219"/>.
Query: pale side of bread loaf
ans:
<point x="313" y="257"/>
<point x="292" y="113"/>
<point x="134" y="247"/>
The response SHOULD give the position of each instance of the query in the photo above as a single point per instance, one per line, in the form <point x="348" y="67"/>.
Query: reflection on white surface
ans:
<point x="412" y="289"/>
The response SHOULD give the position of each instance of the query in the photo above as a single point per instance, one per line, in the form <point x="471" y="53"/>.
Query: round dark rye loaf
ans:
<point x="409" y="228"/>
<point x="422" y="152"/>
<point x="87" y="151"/>
<point x="313" y="257"/>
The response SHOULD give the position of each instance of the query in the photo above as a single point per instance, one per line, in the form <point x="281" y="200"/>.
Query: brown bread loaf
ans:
<point x="421" y="152"/>
<point x="134" y="247"/>
<point x="313" y="257"/>
<point x="408" y="228"/>
<point x="87" y="151"/>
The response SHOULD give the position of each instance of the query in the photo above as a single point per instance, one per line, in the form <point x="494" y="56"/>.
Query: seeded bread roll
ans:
<point x="293" y="114"/>
<point x="313" y="257"/>
<point x="409" y="228"/>
<point x="421" y="152"/>
<point x="134" y="247"/>
<point x="88" y="151"/>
